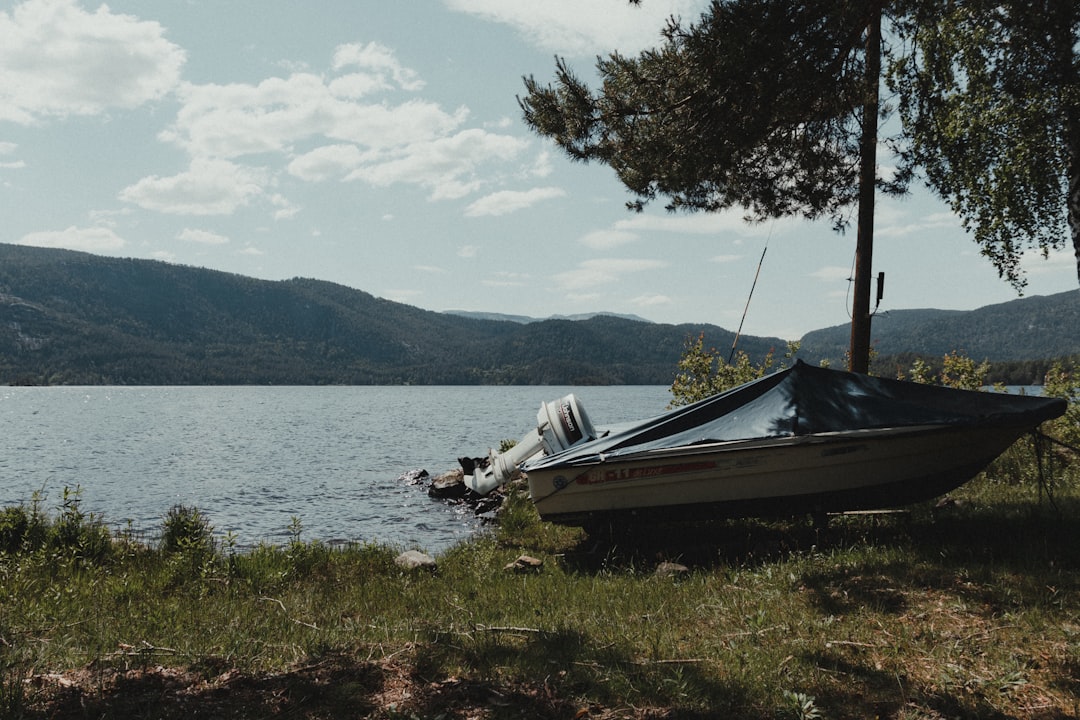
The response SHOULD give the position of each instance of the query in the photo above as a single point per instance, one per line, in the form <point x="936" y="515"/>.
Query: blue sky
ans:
<point x="380" y="146"/>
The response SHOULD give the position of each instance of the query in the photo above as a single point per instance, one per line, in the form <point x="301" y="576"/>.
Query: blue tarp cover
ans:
<point x="807" y="400"/>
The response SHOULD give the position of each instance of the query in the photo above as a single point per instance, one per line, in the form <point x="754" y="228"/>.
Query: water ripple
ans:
<point x="254" y="458"/>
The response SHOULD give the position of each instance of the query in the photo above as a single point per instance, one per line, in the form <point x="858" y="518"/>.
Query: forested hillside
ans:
<point x="75" y="318"/>
<point x="1030" y="328"/>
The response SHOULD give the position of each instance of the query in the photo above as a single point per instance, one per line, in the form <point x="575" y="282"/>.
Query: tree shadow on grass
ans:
<point x="1001" y="558"/>
<point x="869" y="692"/>
<point x="539" y="676"/>
<point x="748" y="542"/>
<point x="334" y="686"/>
<point x="563" y="667"/>
<point x="1014" y="537"/>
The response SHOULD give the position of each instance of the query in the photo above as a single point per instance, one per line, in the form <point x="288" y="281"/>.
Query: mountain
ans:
<point x="75" y="318"/>
<point x="1029" y="328"/>
<point x="527" y="319"/>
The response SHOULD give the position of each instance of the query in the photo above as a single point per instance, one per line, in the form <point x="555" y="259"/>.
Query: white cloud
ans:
<point x="238" y="119"/>
<point x="414" y="142"/>
<point x="508" y="201"/>
<point x="702" y="223"/>
<point x="330" y="132"/>
<point x="449" y="167"/>
<point x="608" y="239"/>
<point x="326" y="163"/>
<point x="286" y="210"/>
<point x="406" y="295"/>
<point x="384" y="127"/>
<point x="653" y="300"/>
<point x="571" y="27"/>
<point x="592" y="273"/>
<point x="356" y="85"/>
<point x="8" y="148"/>
<point x="1056" y="261"/>
<point x="379" y="61"/>
<point x="467" y="251"/>
<point x="242" y="119"/>
<point x="891" y="222"/>
<point x="831" y="273"/>
<point x="583" y="298"/>
<point x="107" y="218"/>
<point x="56" y="59"/>
<point x="542" y="166"/>
<point x="208" y="187"/>
<point x="725" y="258"/>
<point x="95" y="239"/>
<point x="505" y="279"/>
<point x="202" y="237"/>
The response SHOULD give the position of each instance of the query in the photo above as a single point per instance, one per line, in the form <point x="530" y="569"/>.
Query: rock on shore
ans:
<point x="450" y="488"/>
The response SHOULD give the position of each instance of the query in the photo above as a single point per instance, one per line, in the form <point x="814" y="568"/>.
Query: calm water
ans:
<point x="252" y="458"/>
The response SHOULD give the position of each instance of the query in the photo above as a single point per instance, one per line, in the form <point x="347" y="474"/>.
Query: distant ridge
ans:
<point x="525" y="319"/>
<point x="74" y="318"/>
<point x="1030" y="328"/>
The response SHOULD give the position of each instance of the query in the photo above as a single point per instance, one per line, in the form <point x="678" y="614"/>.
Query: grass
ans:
<point x="971" y="610"/>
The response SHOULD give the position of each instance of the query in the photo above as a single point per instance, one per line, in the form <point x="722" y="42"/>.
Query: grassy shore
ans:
<point x="968" y="610"/>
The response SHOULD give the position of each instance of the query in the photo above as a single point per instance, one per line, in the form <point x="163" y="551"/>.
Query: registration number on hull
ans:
<point x="600" y="476"/>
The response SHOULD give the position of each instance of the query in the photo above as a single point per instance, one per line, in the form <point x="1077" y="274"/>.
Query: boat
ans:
<point x="802" y="440"/>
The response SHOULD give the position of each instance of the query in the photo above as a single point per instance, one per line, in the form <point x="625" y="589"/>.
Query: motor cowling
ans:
<point x="560" y="425"/>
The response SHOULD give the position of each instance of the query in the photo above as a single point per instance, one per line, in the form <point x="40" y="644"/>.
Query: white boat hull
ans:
<point x="854" y="470"/>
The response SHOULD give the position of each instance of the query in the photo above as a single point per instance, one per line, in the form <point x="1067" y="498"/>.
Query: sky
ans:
<point x="380" y="145"/>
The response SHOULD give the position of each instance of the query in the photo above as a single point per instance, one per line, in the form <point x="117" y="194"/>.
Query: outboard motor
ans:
<point x="560" y="425"/>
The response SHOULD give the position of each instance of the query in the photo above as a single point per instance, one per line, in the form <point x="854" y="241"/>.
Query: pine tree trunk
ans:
<point x="859" y="353"/>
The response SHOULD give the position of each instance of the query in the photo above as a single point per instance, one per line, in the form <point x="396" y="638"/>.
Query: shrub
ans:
<point x="958" y="371"/>
<point x="704" y="373"/>
<point x="74" y="533"/>
<point x="14" y="524"/>
<point x="12" y="695"/>
<point x="1064" y="382"/>
<point x="186" y="529"/>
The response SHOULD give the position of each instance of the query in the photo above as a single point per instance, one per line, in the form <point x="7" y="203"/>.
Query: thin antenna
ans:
<point x="747" y="308"/>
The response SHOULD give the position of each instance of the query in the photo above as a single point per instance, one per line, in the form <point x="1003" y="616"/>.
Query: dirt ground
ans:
<point x="334" y="687"/>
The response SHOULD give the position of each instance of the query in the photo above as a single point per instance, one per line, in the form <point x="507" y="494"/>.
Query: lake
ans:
<point x="254" y="458"/>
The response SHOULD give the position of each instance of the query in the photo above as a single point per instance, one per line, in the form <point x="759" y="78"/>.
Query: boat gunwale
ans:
<point x="729" y="446"/>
